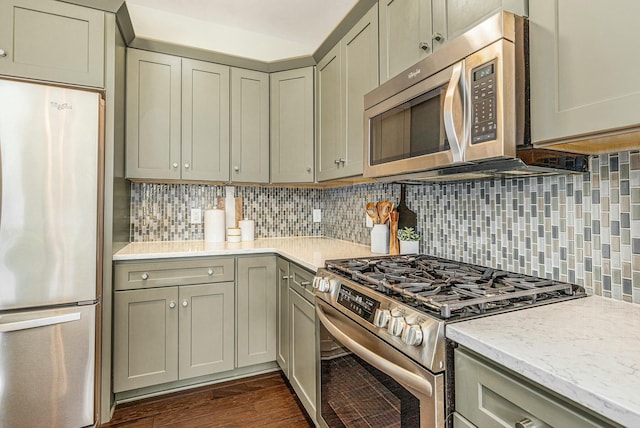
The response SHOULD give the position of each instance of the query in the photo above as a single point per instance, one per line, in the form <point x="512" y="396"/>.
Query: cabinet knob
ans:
<point x="305" y="283"/>
<point x="172" y="304"/>
<point x="236" y="168"/>
<point x="285" y="278"/>
<point x="210" y="272"/>
<point x="342" y="161"/>
<point x="186" y="166"/>
<point x="2" y="53"/>
<point x="145" y="276"/>
<point x="185" y="303"/>
<point x="438" y="37"/>
<point x="309" y="169"/>
<point x="525" y="423"/>
<point x="424" y="46"/>
<point x="337" y="161"/>
<point x="175" y="164"/>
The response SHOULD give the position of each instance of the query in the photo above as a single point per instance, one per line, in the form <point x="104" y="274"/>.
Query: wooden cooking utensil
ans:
<point x="372" y="212"/>
<point x="394" y="245"/>
<point x="384" y="209"/>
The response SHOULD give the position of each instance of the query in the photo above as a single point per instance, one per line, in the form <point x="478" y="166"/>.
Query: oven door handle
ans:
<point x="403" y="376"/>
<point x="451" y="114"/>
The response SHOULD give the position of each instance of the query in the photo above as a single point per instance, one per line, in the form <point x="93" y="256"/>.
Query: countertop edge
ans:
<point x="564" y="387"/>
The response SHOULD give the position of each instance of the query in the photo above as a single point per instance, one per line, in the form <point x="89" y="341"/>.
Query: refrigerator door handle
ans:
<point x="38" y="322"/>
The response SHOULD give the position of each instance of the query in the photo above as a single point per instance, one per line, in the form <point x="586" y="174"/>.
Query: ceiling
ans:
<point x="265" y="30"/>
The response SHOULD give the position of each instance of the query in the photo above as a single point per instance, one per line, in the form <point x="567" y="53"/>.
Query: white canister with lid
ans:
<point x="247" y="230"/>
<point x="233" y="234"/>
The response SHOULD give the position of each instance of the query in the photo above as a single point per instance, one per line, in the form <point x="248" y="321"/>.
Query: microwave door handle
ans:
<point x="403" y="376"/>
<point x="449" y="121"/>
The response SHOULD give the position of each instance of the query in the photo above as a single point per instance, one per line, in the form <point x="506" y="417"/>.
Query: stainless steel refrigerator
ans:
<point x="49" y="267"/>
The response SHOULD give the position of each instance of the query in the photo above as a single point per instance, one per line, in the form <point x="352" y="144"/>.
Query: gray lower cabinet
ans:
<point x="249" y="126"/>
<point x="296" y="344"/>
<point x="302" y="359"/>
<point x="177" y="118"/>
<point x="173" y="320"/>
<point x="489" y="395"/>
<point x="256" y="310"/>
<point x="282" y="310"/>
<point x="581" y="82"/>
<point x="343" y="77"/>
<point x="292" y="126"/>
<point x="52" y="40"/>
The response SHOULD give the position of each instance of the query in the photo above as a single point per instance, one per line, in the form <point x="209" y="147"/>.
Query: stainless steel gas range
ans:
<point x="383" y="358"/>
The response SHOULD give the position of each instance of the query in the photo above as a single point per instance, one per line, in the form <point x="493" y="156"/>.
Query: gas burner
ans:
<point x="448" y="289"/>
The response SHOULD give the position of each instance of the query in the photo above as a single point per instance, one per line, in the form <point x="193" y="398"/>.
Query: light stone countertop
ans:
<point x="587" y="350"/>
<point x="308" y="252"/>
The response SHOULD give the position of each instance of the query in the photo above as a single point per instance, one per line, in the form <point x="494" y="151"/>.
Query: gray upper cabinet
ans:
<point x="406" y="31"/>
<point x="53" y="41"/>
<point x="412" y="29"/>
<point x="344" y="75"/>
<point x="584" y="74"/>
<point x="292" y="126"/>
<point x="249" y="126"/>
<point x="153" y="115"/>
<point x="205" y="121"/>
<point x="328" y="115"/>
<point x="256" y="309"/>
<point x="177" y="118"/>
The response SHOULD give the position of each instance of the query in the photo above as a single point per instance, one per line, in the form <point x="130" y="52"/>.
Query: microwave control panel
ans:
<point x="483" y="103"/>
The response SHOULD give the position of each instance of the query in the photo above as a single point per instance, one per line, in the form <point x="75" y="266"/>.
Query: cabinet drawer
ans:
<point x="489" y="395"/>
<point x="130" y="276"/>
<point x="301" y="281"/>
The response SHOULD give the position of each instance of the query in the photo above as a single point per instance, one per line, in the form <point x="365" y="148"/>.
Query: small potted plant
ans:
<point x="408" y="240"/>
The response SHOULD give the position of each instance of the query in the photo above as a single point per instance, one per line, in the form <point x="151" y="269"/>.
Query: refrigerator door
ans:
<point x="47" y="368"/>
<point x="48" y="195"/>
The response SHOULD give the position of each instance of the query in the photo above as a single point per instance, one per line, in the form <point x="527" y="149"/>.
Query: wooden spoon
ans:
<point x="384" y="209"/>
<point x="372" y="212"/>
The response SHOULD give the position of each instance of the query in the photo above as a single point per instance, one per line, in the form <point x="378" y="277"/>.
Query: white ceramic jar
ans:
<point x="380" y="238"/>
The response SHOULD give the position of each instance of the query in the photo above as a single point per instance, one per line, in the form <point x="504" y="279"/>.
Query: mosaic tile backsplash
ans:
<point x="583" y="229"/>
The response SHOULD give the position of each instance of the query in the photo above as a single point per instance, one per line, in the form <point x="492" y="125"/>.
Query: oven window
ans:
<point x="412" y="129"/>
<point x="355" y="394"/>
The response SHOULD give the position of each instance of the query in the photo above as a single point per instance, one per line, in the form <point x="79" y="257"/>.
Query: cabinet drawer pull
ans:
<point x="2" y="53"/>
<point x="305" y="283"/>
<point x="210" y="272"/>
<point x="185" y="303"/>
<point x="172" y="304"/>
<point x="525" y="423"/>
<point x="424" y="46"/>
<point x="286" y="278"/>
<point x="145" y="276"/>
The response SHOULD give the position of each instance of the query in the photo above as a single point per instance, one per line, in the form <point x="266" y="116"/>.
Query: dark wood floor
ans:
<point x="260" y="401"/>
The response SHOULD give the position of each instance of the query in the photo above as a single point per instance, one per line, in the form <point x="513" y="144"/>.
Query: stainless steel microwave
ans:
<point x="462" y="112"/>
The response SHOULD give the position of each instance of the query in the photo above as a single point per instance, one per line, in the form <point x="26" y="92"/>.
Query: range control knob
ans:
<point x="412" y="334"/>
<point x="396" y="324"/>
<point x="381" y="318"/>
<point x="322" y="284"/>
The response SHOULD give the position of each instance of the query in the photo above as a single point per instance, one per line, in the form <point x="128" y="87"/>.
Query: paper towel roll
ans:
<point x="214" y="225"/>
<point x="247" y="228"/>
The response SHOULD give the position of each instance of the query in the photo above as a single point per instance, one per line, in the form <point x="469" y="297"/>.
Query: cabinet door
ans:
<point x="360" y="75"/>
<point x="207" y="320"/>
<point x="153" y="115"/>
<point x="405" y="34"/>
<point x="52" y="40"/>
<point x="282" y="340"/>
<point x="249" y="126"/>
<point x="302" y="363"/>
<point x="256" y="309"/>
<point x="584" y="74"/>
<point x="328" y="115"/>
<point x="205" y="121"/>
<point x="145" y="338"/>
<point x="292" y="126"/>
<point x="453" y="17"/>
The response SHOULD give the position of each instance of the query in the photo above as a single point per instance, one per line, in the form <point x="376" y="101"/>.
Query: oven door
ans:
<point x="363" y="381"/>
